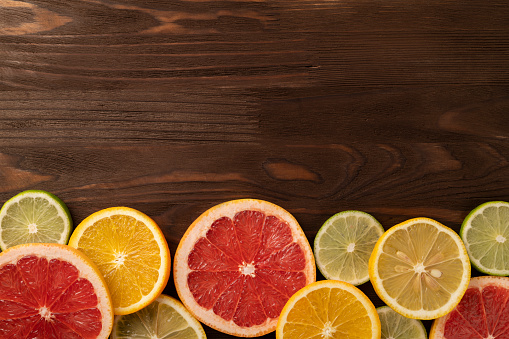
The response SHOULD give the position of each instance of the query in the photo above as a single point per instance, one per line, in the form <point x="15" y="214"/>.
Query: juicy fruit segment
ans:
<point x="344" y="244"/>
<point x="131" y="253"/>
<point x="329" y="309"/>
<point x="34" y="217"/>
<point x="420" y="268"/>
<point x="164" y="318"/>
<point x="51" y="292"/>
<point x="482" y="313"/>
<point x="123" y="255"/>
<point x="485" y="232"/>
<point x="396" y="326"/>
<point x="239" y="263"/>
<point x="251" y="262"/>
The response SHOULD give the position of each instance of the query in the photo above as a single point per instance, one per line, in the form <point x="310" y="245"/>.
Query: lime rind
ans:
<point x="396" y="326"/>
<point x="342" y="251"/>
<point x="51" y="218"/>
<point x="488" y="250"/>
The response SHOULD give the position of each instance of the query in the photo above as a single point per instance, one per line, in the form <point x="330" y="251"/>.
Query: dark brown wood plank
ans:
<point x="398" y="108"/>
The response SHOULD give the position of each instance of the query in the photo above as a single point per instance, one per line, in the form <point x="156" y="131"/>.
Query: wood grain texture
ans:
<point x="397" y="108"/>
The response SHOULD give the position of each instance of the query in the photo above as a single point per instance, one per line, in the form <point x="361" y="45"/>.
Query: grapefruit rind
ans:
<point x="437" y="328"/>
<point x="364" y="268"/>
<point x="85" y="266"/>
<point x="356" y="292"/>
<point x="165" y="268"/>
<point x="60" y="206"/>
<point x="419" y="314"/>
<point x="199" y="229"/>
<point x="466" y="226"/>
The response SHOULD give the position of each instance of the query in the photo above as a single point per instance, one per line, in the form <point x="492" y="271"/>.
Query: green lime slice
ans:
<point x="396" y="326"/>
<point x="34" y="217"/>
<point x="164" y="318"/>
<point x="344" y="244"/>
<point x="485" y="232"/>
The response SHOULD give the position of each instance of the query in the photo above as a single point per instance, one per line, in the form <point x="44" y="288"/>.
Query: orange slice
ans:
<point x="239" y="263"/>
<point x="131" y="253"/>
<point x="329" y="309"/>
<point x="52" y="291"/>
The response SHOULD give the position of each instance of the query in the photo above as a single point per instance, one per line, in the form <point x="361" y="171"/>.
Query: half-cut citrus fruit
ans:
<point x="131" y="253"/>
<point x="420" y="268"/>
<point x="165" y="318"/>
<point x="483" y="313"/>
<point x="485" y="232"/>
<point x="52" y="291"/>
<point x="239" y="262"/>
<point x="34" y="217"/>
<point x="343" y="246"/>
<point x="396" y="326"/>
<point x="329" y="309"/>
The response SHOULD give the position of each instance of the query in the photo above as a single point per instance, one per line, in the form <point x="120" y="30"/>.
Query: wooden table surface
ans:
<point x="397" y="108"/>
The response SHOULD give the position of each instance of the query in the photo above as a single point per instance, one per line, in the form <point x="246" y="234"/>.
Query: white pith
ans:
<point x="32" y="228"/>
<point x="199" y="228"/>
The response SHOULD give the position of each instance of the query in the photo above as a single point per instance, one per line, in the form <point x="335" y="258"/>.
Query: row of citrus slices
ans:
<point x="243" y="267"/>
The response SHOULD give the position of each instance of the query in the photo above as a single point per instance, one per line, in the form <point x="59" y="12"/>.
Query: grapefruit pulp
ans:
<point x="52" y="291"/>
<point x="239" y="263"/>
<point x="482" y="313"/>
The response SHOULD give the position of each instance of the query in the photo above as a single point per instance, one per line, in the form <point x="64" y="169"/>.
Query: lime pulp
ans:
<point x="344" y="244"/>
<point x="485" y="232"/>
<point x="396" y="326"/>
<point x="34" y="216"/>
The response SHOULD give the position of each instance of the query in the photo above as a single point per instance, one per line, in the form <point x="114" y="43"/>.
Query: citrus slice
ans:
<point x="34" y="217"/>
<point x="164" y="318"/>
<point x="396" y="326"/>
<point x="52" y="291"/>
<point x="131" y="253"/>
<point x="343" y="245"/>
<point x="329" y="309"/>
<point x="482" y="313"/>
<point x="239" y="262"/>
<point x="420" y="268"/>
<point x="485" y="232"/>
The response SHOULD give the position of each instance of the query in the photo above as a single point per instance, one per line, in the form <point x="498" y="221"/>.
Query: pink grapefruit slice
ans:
<point x="52" y="291"/>
<point x="239" y="263"/>
<point x="483" y="312"/>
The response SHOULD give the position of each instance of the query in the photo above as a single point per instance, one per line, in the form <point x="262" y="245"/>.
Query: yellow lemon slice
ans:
<point x="329" y="309"/>
<point x="130" y="251"/>
<point x="420" y="268"/>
